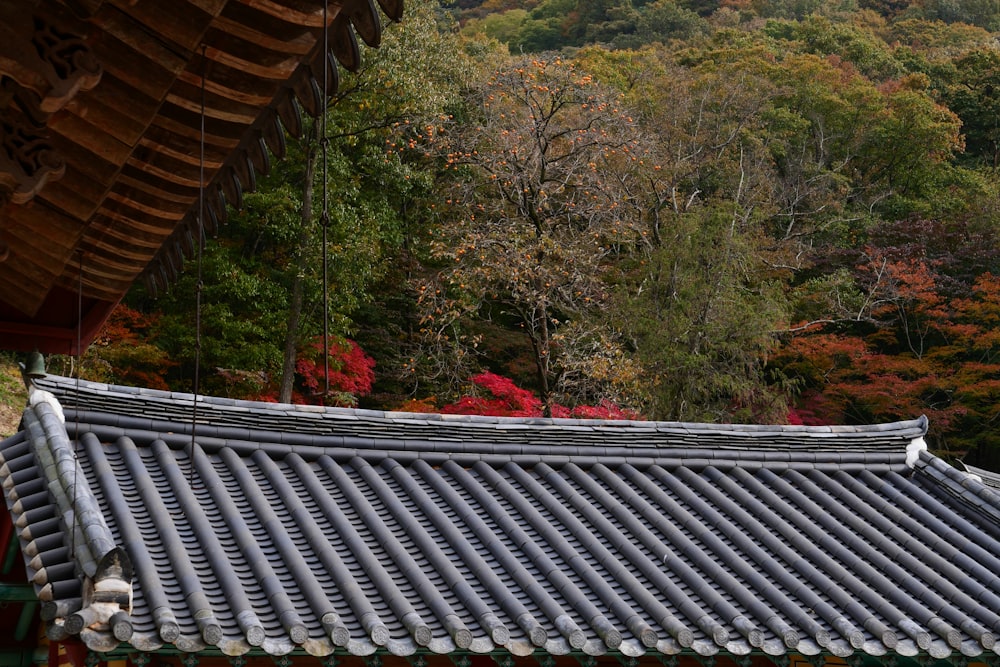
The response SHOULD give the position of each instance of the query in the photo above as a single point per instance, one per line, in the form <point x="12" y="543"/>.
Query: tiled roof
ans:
<point x="987" y="477"/>
<point x="321" y="530"/>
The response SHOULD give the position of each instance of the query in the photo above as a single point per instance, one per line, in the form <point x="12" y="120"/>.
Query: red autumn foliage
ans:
<point x="351" y="370"/>
<point x="931" y="353"/>
<point x="122" y="353"/>
<point x="506" y="399"/>
<point x="352" y="374"/>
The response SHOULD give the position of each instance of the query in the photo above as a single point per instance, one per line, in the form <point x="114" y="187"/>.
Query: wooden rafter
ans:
<point x="100" y="134"/>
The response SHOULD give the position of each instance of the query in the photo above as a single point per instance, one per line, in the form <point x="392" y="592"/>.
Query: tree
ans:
<point x="974" y="95"/>
<point x="538" y="173"/>
<point x="344" y="376"/>
<point x="922" y="340"/>
<point x="912" y="140"/>
<point x="982" y="13"/>
<point x="665" y="20"/>
<point x="852" y="43"/>
<point x="702" y="313"/>
<point x="263" y="295"/>
<point x="498" y="396"/>
<point x="123" y="353"/>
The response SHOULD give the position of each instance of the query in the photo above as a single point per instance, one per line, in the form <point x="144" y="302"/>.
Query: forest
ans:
<point x="756" y="211"/>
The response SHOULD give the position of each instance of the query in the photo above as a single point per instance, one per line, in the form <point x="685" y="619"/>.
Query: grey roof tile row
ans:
<point x="987" y="477"/>
<point x="355" y="531"/>
<point x="295" y="424"/>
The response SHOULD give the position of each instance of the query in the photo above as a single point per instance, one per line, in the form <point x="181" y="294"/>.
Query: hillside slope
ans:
<point x="12" y="396"/>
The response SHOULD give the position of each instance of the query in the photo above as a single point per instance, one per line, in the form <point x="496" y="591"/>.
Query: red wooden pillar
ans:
<point x="67" y="653"/>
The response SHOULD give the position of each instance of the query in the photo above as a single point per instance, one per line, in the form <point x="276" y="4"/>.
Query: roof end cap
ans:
<point x="913" y="450"/>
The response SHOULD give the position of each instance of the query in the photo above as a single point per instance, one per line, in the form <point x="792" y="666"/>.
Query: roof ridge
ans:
<point x="965" y="485"/>
<point x="66" y="482"/>
<point x="987" y="477"/>
<point x="92" y="550"/>
<point x="341" y="447"/>
<point x="93" y="398"/>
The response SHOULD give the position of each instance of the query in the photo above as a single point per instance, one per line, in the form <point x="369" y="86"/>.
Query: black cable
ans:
<point x="325" y="218"/>
<point x="200" y="251"/>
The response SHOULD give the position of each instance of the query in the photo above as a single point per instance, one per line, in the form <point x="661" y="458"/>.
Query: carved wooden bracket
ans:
<point x="42" y="67"/>
<point x="43" y="58"/>
<point x="27" y="159"/>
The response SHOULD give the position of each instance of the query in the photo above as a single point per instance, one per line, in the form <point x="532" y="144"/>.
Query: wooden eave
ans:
<point x="100" y="138"/>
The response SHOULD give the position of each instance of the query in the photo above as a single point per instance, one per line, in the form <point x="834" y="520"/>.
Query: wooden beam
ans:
<point x="17" y="592"/>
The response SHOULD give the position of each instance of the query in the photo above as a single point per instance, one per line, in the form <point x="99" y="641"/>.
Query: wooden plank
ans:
<point x="225" y="141"/>
<point x="137" y="199"/>
<point x="75" y="196"/>
<point x="255" y="27"/>
<point x="186" y="147"/>
<point x="115" y="265"/>
<point x="158" y="173"/>
<point x="46" y="236"/>
<point x="251" y="51"/>
<point x="180" y="24"/>
<point x="232" y="85"/>
<point x="141" y="228"/>
<point x="213" y="7"/>
<point x="98" y="286"/>
<point x="118" y="254"/>
<point x="278" y="70"/>
<point x="74" y="128"/>
<point x="134" y="177"/>
<point x="215" y="106"/>
<point x="22" y="290"/>
<point x="133" y="53"/>
<point x="150" y="149"/>
<point x="42" y="242"/>
<point x="82" y="163"/>
<point x="185" y="167"/>
<point x="117" y="108"/>
<point x="303" y="13"/>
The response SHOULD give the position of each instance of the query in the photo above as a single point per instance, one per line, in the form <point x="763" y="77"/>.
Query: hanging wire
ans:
<point x="201" y="247"/>
<point x="325" y="216"/>
<point x="76" y="418"/>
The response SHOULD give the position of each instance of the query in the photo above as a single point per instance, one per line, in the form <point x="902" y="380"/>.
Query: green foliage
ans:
<point x="937" y="40"/>
<point x="702" y="317"/>
<point x="536" y="182"/>
<point x="274" y="249"/>
<point x="982" y="13"/>
<point x="786" y="9"/>
<point x="504" y="28"/>
<point x="974" y="95"/>
<point x="851" y="43"/>
<point x="703" y="210"/>
<point x="13" y="396"/>
<point x="666" y="20"/>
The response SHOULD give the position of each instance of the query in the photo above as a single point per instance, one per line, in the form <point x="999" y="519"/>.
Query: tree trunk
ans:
<point x="298" y="288"/>
<point x="543" y="359"/>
